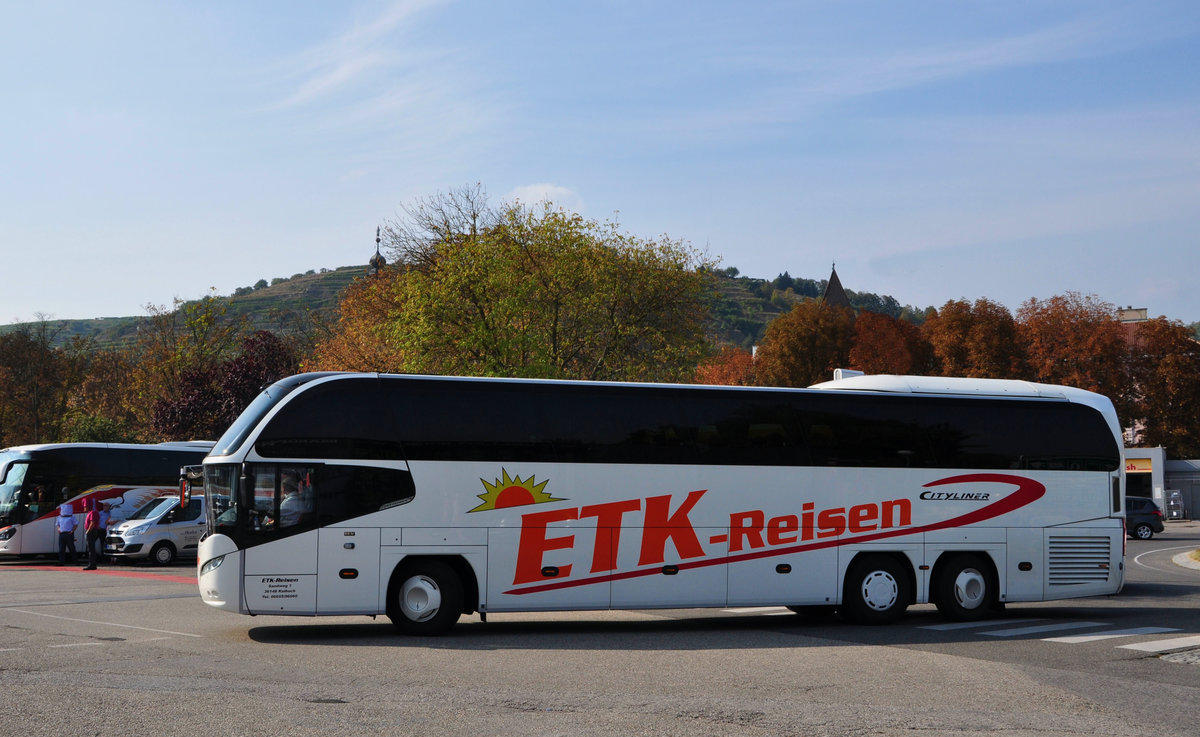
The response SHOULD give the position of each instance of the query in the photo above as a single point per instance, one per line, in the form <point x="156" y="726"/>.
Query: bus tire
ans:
<point x="162" y="554"/>
<point x="965" y="588"/>
<point x="877" y="590"/>
<point x="425" y="598"/>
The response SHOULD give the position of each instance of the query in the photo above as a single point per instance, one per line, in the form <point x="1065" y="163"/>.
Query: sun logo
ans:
<point x="513" y="492"/>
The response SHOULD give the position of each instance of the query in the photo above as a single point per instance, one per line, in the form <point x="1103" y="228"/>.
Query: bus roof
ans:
<point x="960" y="386"/>
<point x="194" y="445"/>
<point x="949" y="385"/>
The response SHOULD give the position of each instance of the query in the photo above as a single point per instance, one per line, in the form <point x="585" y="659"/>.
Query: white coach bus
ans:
<point x="425" y="498"/>
<point x="123" y="476"/>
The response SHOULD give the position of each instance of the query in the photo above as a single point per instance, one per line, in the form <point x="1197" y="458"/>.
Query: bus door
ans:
<point x="348" y="570"/>
<point x="280" y="575"/>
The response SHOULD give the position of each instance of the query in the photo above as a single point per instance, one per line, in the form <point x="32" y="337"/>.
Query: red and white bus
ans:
<point x="33" y="479"/>
<point x="424" y="498"/>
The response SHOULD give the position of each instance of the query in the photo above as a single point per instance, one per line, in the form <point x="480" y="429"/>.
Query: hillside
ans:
<point x="284" y="306"/>
<point x="740" y="311"/>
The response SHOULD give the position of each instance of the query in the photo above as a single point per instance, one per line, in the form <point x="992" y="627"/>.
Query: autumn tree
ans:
<point x="174" y="347"/>
<point x="33" y="385"/>
<point x="432" y="224"/>
<point x="1165" y="366"/>
<point x="888" y="345"/>
<point x="361" y="337"/>
<point x="96" y="410"/>
<point x="977" y="340"/>
<point x="731" y="366"/>
<point x="531" y="292"/>
<point x="804" y="346"/>
<point x="1077" y="341"/>
<point x="208" y="398"/>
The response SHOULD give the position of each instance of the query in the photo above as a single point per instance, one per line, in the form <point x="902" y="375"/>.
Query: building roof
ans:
<point x="835" y="295"/>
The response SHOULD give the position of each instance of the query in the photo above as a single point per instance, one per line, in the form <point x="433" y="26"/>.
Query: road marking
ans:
<point x="758" y="610"/>
<point x="79" y="644"/>
<point x="1138" y="559"/>
<point x="1041" y="628"/>
<point x="1161" y="646"/>
<point x="108" y="624"/>
<point x="1110" y="634"/>
<point x="979" y="623"/>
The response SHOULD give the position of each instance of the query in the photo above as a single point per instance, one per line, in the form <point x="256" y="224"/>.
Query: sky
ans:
<point x="154" y="150"/>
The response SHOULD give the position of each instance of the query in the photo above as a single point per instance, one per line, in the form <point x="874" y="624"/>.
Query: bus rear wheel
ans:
<point x="425" y="598"/>
<point x="965" y="589"/>
<point x="877" y="590"/>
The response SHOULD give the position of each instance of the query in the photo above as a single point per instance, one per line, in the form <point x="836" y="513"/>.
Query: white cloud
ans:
<point x="347" y="60"/>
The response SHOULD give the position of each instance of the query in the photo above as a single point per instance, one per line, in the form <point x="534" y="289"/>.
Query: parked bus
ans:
<point x="35" y="480"/>
<point x="424" y="498"/>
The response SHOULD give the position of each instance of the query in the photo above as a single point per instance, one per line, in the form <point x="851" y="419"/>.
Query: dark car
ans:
<point x="1143" y="518"/>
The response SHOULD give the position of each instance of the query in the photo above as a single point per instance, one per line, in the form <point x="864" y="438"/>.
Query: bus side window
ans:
<point x="345" y="492"/>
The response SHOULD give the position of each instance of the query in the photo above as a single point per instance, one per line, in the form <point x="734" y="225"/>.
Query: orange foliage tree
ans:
<point x="1077" y="341"/>
<point x="887" y="345"/>
<point x="360" y="338"/>
<point x="1165" y="366"/>
<point x="804" y="346"/>
<point x="977" y="340"/>
<point x="731" y="366"/>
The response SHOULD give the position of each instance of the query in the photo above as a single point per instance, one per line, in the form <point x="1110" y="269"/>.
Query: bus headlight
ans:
<point x="212" y="565"/>
<point x="7" y="533"/>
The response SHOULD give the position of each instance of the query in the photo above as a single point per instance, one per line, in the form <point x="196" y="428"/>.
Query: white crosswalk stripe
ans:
<point x="1111" y="634"/>
<point x="1162" y="646"/>
<point x="946" y="626"/>
<point x="1039" y="629"/>
<point x="1005" y="628"/>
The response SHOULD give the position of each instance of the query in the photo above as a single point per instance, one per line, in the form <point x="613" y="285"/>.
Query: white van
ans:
<point x="159" y="531"/>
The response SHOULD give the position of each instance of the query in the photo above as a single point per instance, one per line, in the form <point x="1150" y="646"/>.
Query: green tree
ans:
<point x="531" y="292"/>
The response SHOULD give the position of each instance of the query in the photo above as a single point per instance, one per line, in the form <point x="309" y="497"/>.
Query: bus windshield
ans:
<point x="12" y="476"/>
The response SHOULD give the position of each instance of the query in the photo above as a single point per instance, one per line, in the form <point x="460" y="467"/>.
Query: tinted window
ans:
<point x="288" y="498"/>
<point x="241" y="428"/>
<point x="338" y="419"/>
<point x="447" y="419"/>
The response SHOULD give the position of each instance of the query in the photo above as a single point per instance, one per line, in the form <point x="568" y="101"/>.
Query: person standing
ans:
<point x="65" y="524"/>
<point x="91" y="530"/>
<point x="103" y="532"/>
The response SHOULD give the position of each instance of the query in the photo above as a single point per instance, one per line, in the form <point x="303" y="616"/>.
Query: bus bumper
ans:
<point x="218" y="573"/>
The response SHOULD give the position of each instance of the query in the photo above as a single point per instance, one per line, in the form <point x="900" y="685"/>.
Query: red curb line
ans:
<point x="105" y="572"/>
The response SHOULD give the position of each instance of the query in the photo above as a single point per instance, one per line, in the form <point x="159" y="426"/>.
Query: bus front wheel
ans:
<point x="877" y="590"/>
<point x="425" y="598"/>
<point x="965" y="588"/>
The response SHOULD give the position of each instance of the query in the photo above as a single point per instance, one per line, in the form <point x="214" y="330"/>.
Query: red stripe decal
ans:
<point x="1027" y="492"/>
